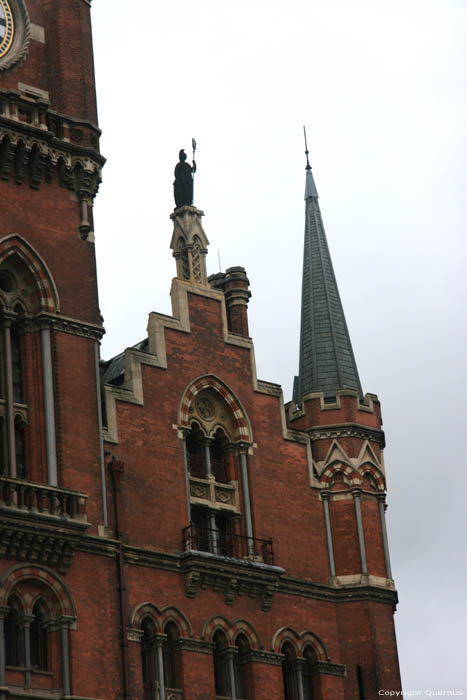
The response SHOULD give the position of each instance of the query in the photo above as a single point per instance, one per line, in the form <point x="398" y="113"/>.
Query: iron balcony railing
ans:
<point x="227" y="544"/>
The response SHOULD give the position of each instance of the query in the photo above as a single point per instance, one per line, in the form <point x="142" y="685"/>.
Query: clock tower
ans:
<point x="51" y="457"/>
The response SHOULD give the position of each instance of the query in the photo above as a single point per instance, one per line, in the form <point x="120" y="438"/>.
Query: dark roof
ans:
<point x="112" y="370"/>
<point x="327" y="361"/>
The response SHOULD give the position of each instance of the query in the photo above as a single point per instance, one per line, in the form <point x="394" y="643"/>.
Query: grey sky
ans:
<point x="381" y="87"/>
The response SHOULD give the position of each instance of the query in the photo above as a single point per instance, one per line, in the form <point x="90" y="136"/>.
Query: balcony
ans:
<point x="39" y="522"/>
<point x="231" y="563"/>
<point x="227" y="544"/>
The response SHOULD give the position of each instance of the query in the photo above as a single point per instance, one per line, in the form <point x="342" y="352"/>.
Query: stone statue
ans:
<point x="183" y="184"/>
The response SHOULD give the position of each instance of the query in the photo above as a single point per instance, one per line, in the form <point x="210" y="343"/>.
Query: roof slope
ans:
<point x="327" y="361"/>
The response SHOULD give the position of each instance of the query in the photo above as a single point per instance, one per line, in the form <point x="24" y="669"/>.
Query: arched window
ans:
<point x="221" y="665"/>
<point x="219" y="457"/>
<point x="14" y="646"/>
<point x="148" y="664"/>
<point x="307" y="674"/>
<point x="240" y="660"/>
<point x="289" y="675"/>
<point x="168" y="652"/>
<point x="38" y="637"/>
<point x="195" y="451"/>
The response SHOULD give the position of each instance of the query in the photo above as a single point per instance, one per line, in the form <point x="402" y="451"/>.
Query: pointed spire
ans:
<point x="327" y="361"/>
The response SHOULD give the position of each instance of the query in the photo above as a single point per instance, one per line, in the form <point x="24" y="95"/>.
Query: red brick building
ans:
<point x="168" y="527"/>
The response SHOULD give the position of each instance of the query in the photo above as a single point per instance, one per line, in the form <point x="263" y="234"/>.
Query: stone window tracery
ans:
<point x="196" y="259"/>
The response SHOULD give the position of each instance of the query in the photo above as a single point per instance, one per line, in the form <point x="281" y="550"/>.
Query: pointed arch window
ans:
<point x="168" y="653"/>
<point x="148" y="665"/>
<point x="39" y="639"/>
<point x="219" y="457"/>
<point x="289" y="675"/>
<point x="240" y="660"/>
<point x="196" y="452"/>
<point x="14" y="648"/>
<point x="309" y="656"/>
<point x="221" y="665"/>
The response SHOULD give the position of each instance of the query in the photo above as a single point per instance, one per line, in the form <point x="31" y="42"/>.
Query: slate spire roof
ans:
<point x="327" y="361"/>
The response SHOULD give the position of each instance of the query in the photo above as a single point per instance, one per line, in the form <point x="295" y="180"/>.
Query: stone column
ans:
<point x="382" y="508"/>
<point x="26" y="627"/>
<point x="207" y="457"/>
<point x="230" y="663"/>
<point x="213" y="531"/>
<point x="159" y="640"/>
<point x="361" y="539"/>
<point x="49" y="407"/>
<point x="327" y="521"/>
<point x="246" y="498"/>
<point x="64" y="626"/>
<point x="10" y="417"/>
<point x="299" y="678"/>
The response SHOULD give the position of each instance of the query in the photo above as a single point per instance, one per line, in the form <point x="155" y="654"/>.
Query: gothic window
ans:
<point x="13" y="409"/>
<point x="221" y="665"/>
<point x="147" y="658"/>
<point x="196" y="259"/>
<point x="168" y="652"/>
<point x="219" y="457"/>
<point x="38" y="638"/>
<point x="14" y="651"/>
<point x="289" y="675"/>
<point x="201" y="532"/>
<point x="224" y="535"/>
<point x="240" y="660"/>
<point x="307" y="673"/>
<point x="196" y="453"/>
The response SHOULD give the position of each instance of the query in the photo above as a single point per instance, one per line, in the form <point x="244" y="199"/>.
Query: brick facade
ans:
<point x="163" y="514"/>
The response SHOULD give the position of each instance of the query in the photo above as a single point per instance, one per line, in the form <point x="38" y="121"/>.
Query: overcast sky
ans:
<point x="381" y="87"/>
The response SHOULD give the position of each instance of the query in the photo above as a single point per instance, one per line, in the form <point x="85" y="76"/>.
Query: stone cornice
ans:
<point x="264" y="657"/>
<point x="197" y="645"/>
<point x="64" y="324"/>
<point x="346" y="430"/>
<point x="308" y="589"/>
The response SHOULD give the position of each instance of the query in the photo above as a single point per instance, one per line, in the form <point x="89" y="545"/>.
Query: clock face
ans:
<point x="6" y="27"/>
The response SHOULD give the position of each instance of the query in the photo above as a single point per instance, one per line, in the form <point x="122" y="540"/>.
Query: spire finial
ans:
<point x="308" y="166"/>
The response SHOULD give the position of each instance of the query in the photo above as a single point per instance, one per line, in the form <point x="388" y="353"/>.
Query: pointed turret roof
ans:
<point x="327" y="361"/>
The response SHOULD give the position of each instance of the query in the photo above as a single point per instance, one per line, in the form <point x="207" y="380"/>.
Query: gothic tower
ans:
<point x="169" y="529"/>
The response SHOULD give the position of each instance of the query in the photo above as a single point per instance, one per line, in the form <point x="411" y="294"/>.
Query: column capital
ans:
<point x="159" y="639"/>
<point x="325" y="495"/>
<point x="243" y="447"/>
<point x="381" y="497"/>
<point x="4" y="610"/>
<point x="356" y="492"/>
<point x="25" y="620"/>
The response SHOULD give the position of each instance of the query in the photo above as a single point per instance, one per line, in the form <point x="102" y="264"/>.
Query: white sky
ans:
<point x="381" y="87"/>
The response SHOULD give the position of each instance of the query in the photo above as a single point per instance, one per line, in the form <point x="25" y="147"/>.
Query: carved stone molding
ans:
<point x="264" y="657"/>
<point x="234" y="578"/>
